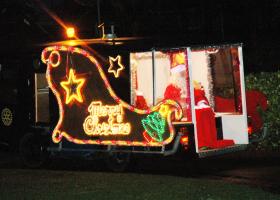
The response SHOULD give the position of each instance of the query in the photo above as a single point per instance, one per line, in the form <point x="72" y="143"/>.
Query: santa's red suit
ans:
<point x="172" y="92"/>
<point x="200" y="98"/>
<point x="255" y="99"/>
<point x="206" y="124"/>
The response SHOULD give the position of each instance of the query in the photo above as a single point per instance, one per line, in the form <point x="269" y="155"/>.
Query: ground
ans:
<point x="236" y="176"/>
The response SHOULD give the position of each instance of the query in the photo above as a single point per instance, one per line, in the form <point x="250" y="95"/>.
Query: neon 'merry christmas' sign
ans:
<point x="90" y="112"/>
<point x="113" y="124"/>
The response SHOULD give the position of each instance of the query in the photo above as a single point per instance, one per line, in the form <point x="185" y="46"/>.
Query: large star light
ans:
<point x="73" y="87"/>
<point x="112" y="67"/>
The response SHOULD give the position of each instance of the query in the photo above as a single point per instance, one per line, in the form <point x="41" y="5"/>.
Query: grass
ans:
<point x="47" y="184"/>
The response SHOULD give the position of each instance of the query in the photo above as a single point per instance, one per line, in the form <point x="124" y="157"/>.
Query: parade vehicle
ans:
<point x="184" y="98"/>
<point x="124" y="101"/>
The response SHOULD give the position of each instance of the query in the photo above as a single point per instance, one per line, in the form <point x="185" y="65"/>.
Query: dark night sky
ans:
<point x="169" y="23"/>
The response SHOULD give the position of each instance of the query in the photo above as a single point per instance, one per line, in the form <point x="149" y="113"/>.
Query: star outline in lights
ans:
<point x="67" y="86"/>
<point x="120" y="66"/>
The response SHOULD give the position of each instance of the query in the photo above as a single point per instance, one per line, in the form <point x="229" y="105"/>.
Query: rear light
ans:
<point x="184" y="140"/>
<point x="250" y="127"/>
<point x="185" y="137"/>
<point x="250" y="130"/>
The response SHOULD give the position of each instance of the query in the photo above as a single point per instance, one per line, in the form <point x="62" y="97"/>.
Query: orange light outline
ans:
<point x="67" y="84"/>
<point x="58" y="58"/>
<point x="111" y="70"/>
<point x="57" y="134"/>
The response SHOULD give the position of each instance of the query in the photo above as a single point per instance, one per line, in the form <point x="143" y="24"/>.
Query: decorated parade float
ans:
<point x="159" y="101"/>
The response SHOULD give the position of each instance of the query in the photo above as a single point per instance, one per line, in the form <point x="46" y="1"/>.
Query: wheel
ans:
<point x="33" y="150"/>
<point x="117" y="161"/>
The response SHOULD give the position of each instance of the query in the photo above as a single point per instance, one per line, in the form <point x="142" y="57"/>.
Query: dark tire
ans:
<point x="33" y="150"/>
<point x="117" y="161"/>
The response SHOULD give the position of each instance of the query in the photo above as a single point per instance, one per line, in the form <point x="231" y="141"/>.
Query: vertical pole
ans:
<point x="235" y="91"/>
<point x="243" y="94"/>
<point x="154" y="77"/>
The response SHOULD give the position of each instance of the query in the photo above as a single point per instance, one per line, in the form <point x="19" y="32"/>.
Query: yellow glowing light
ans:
<point x="94" y="127"/>
<point x="111" y="69"/>
<point x="58" y="132"/>
<point x="184" y="140"/>
<point x="178" y="59"/>
<point x="164" y="110"/>
<point x="70" y="32"/>
<point x="72" y="94"/>
<point x="72" y="43"/>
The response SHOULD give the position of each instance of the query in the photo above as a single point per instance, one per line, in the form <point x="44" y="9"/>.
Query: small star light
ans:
<point x="119" y="66"/>
<point x="73" y="87"/>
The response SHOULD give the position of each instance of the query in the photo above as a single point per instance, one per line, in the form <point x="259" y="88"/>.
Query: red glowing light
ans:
<point x="250" y="130"/>
<point x="184" y="140"/>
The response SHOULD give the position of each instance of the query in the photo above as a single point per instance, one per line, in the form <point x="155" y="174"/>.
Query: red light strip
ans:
<point x="57" y="134"/>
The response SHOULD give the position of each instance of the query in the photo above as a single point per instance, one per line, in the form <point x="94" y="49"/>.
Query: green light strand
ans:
<point x="154" y="124"/>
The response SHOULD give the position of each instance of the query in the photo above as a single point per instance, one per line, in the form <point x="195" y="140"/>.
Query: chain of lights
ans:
<point x="111" y="69"/>
<point x="93" y="127"/>
<point x="71" y="93"/>
<point x="173" y="106"/>
<point x="52" y="58"/>
<point x="188" y="99"/>
<point x="210" y="79"/>
<point x="154" y="124"/>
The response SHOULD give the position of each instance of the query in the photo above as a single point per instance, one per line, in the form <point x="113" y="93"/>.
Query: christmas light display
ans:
<point x="154" y="124"/>
<point x="119" y="66"/>
<point x="73" y="87"/>
<point x="114" y="121"/>
<point x="52" y="58"/>
<point x="93" y="125"/>
<point x="164" y="110"/>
